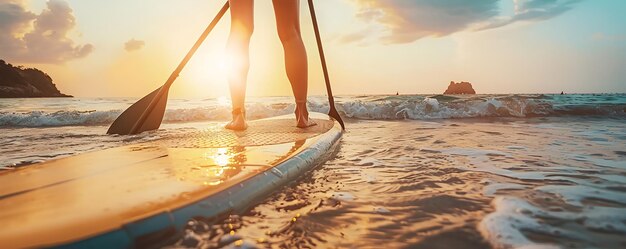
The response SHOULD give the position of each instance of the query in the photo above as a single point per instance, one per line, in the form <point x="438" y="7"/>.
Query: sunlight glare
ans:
<point x="222" y="158"/>
<point x="223" y="101"/>
<point x="231" y="61"/>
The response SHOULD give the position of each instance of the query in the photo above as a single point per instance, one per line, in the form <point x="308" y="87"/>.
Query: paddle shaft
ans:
<point x="331" y="100"/>
<point x="180" y="67"/>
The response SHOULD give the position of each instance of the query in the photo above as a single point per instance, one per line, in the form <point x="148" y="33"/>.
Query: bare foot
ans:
<point x="302" y="116"/>
<point x="239" y="121"/>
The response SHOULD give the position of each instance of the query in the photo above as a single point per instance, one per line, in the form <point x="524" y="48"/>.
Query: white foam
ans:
<point x="409" y="107"/>
<point x="493" y="188"/>
<point x="369" y="178"/>
<point x="369" y="162"/>
<point x="381" y="210"/>
<point x="503" y="228"/>
<point x="60" y="118"/>
<point x="342" y="196"/>
<point x="595" y="205"/>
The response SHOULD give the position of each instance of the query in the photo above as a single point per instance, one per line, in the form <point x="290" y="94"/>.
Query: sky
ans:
<point x="127" y="48"/>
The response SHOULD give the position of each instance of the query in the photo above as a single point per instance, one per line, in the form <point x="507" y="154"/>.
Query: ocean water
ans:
<point x="418" y="171"/>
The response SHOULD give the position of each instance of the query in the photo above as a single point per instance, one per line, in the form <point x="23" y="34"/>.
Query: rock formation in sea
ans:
<point x="460" y="88"/>
<point x="20" y="82"/>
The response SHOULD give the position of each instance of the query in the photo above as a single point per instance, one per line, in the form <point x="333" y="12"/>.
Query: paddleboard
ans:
<point x="137" y="195"/>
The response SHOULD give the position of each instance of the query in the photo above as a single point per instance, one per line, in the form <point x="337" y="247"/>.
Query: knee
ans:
<point x="242" y="30"/>
<point x="248" y="30"/>
<point x="289" y="35"/>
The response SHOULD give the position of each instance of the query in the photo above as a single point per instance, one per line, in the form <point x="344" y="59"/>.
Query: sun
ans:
<point x="205" y="76"/>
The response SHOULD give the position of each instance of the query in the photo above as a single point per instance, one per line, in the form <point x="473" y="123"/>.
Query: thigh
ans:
<point x="242" y="15"/>
<point x="287" y="16"/>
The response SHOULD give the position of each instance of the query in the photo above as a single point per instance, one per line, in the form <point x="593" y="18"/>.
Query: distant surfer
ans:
<point x="562" y="93"/>
<point x="287" y="14"/>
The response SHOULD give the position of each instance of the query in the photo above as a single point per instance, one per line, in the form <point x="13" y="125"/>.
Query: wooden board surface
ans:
<point x="70" y="199"/>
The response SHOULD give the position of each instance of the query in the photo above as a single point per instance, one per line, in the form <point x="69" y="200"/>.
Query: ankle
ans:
<point x="301" y="105"/>
<point x="238" y="112"/>
<point x="301" y="102"/>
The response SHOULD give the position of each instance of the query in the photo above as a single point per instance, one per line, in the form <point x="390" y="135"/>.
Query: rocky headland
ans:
<point x="460" y="88"/>
<point x="20" y="82"/>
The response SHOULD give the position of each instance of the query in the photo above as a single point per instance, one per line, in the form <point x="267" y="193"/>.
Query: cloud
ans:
<point x="534" y="10"/>
<point x="133" y="45"/>
<point x="405" y="21"/>
<point x="354" y="37"/>
<point x="30" y="38"/>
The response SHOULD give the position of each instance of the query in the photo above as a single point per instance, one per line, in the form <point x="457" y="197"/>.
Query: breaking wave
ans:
<point x="414" y="107"/>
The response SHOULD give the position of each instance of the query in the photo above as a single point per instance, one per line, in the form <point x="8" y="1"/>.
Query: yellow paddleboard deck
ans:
<point x="134" y="196"/>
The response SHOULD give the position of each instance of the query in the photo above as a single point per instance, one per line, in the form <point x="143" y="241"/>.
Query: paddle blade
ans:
<point x="334" y="114"/>
<point x="132" y="117"/>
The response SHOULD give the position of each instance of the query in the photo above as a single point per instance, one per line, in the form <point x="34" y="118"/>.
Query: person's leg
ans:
<point x="241" y="28"/>
<point x="288" y="22"/>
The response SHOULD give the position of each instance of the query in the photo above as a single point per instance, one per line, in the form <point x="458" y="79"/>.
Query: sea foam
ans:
<point x="414" y="107"/>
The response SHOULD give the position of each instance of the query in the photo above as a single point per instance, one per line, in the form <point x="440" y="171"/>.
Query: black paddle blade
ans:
<point x="334" y="114"/>
<point x="132" y="117"/>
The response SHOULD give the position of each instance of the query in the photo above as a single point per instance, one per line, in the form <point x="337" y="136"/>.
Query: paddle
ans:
<point x="147" y="113"/>
<point x="331" y="100"/>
